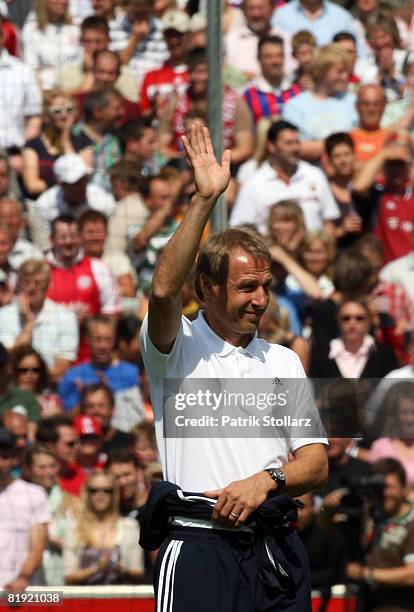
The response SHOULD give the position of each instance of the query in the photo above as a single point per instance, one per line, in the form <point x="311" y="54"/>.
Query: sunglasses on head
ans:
<point x="56" y="111"/>
<point x="107" y="490"/>
<point x="26" y="370"/>
<point x="358" y="318"/>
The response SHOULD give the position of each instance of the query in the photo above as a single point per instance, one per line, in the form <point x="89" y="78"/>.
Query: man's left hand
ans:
<point x="237" y="501"/>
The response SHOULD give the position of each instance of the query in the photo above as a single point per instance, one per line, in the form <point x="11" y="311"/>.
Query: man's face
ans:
<point x="102" y="340"/>
<point x="4" y="174"/>
<point x="94" y="40"/>
<point x="199" y="79"/>
<point x="367" y="6"/>
<point x="397" y="173"/>
<point x="67" y="446"/>
<point x="353" y="321"/>
<point x="286" y="148"/>
<point x="111" y="115"/>
<point x="44" y="471"/>
<point x="66" y="241"/>
<point x="177" y="44"/>
<point x="379" y="39"/>
<point x="11" y="215"/>
<point x="144" y="148"/>
<point x="336" y="78"/>
<point x="105" y="71"/>
<point x="97" y="404"/>
<point x="89" y="447"/>
<point x="161" y="194"/>
<point x="6" y="245"/>
<point x="342" y="159"/>
<point x="240" y="303"/>
<point x="102" y="7"/>
<point x="393" y="495"/>
<point x="127" y="478"/>
<point x="350" y="49"/>
<point x="406" y="417"/>
<point x="370" y="105"/>
<point x="93" y="236"/>
<point x="304" y="55"/>
<point x="35" y="288"/>
<point x="258" y="14"/>
<point x="75" y="193"/>
<point x="18" y="426"/>
<point x="271" y="60"/>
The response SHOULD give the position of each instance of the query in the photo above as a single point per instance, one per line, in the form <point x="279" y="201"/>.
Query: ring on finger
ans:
<point x="236" y="516"/>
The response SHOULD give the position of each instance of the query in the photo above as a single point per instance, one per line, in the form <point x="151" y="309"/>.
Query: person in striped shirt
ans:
<point x="267" y="93"/>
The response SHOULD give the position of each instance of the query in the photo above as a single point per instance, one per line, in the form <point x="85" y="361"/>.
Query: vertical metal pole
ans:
<point x="215" y="97"/>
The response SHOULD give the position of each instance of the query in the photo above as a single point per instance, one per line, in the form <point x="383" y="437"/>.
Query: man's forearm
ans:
<point x="308" y="471"/>
<point x="366" y="177"/>
<point x="179" y="255"/>
<point x="402" y="576"/>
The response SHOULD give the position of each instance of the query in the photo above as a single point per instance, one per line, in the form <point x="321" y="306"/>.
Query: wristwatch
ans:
<point x="278" y="476"/>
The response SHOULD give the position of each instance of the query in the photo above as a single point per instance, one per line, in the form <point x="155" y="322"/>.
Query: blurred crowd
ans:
<point x="318" y="111"/>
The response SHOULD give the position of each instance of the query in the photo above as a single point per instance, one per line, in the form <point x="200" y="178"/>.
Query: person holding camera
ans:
<point x="388" y="571"/>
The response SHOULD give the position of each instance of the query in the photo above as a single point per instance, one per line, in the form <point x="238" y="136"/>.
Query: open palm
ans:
<point x="211" y="178"/>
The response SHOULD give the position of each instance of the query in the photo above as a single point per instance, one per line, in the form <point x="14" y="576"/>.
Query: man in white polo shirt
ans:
<point x="285" y="177"/>
<point x="213" y="555"/>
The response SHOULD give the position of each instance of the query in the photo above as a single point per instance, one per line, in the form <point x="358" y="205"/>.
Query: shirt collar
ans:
<point x="5" y="58"/>
<point x="302" y="9"/>
<point x="221" y="347"/>
<point x="337" y="348"/>
<point x="263" y="85"/>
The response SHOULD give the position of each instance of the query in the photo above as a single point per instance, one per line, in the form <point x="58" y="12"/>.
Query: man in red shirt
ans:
<point x="158" y="85"/>
<point x="84" y="284"/>
<point x="388" y="208"/>
<point x="106" y="70"/>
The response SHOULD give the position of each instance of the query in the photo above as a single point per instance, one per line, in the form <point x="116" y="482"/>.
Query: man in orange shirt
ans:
<point x="369" y="138"/>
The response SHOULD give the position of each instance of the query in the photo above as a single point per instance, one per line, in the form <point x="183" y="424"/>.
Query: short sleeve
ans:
<point x="32" y="94"/>
<point x="330" y="208"/>
<point x="39" y="508"/>
<point x="68" y="339"/>
<point x="157" y="363"/>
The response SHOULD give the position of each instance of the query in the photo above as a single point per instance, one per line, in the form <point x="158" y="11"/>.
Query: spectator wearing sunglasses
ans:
<point x="355" y="353"/>
<point x="13" y="398"/>
<point x="30" y="374"/>
<point x="56" y="139"/>
<point x="102" y="546"/>
<point x="60" y="436"/>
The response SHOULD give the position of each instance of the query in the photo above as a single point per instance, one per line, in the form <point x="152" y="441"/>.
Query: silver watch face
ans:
<point x="279" y="474"/>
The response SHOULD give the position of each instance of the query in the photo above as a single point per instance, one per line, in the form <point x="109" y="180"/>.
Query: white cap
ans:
<point x="176" y="20"/>
<point x="4" y="11"/>
<point x="70" y="168"/>
<point x="198" y="22"/>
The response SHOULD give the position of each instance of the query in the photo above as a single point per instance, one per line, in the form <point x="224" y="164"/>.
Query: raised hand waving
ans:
<point x="211" y="178"/>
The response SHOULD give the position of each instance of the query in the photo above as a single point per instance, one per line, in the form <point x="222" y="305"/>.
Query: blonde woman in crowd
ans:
<point x="56" y="139"/>
<point x="102" y="548"/>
